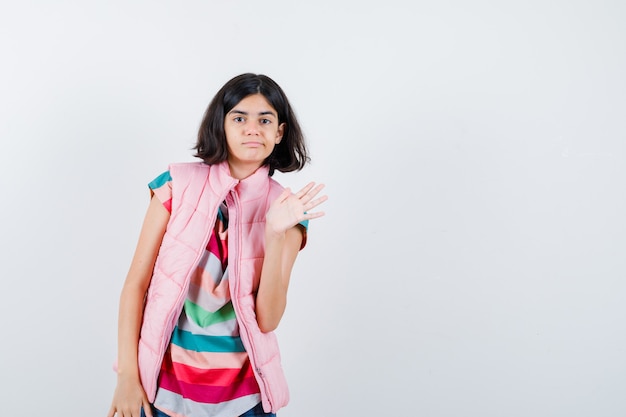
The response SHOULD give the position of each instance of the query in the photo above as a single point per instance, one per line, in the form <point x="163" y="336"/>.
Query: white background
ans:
<point x="471" y="262"/>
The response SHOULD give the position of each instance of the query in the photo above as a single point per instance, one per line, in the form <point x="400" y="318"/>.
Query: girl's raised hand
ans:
<point x="290" y="209"/>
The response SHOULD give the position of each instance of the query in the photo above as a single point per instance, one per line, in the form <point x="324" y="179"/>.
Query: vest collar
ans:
<point x="250" y="188"/>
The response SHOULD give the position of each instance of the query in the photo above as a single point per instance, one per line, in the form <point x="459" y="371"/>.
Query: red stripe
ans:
<point x="219" y="248"/>
<point x="168" y="205"/>
<point x="207" y="393"/>
<point x="193" y="375"/>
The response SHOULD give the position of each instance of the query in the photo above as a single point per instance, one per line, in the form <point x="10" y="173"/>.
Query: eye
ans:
<point x="238" y="119"/>
<point x="265" y="121"/>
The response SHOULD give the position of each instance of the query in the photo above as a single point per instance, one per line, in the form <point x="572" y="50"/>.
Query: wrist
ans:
<point x="127" y="374"/>
<point x="271" y="234"/>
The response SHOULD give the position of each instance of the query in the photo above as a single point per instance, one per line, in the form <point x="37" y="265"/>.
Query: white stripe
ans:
<point x="225" y="328"/>
<point x="206" y="300"/>
<point x="170" y="402"/>
<point x="212" y="265"/>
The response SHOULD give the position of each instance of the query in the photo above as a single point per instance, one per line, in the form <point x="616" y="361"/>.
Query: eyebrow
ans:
<point x="245" y="113"/>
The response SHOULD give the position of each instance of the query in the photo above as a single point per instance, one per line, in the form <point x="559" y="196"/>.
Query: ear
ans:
<point x="280" y="132"/>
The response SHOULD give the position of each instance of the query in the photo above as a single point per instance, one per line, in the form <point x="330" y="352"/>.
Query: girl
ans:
<point x="208" y="281"/>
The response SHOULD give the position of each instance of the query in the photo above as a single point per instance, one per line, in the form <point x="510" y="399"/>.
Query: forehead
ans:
<point x="254" y="103"/>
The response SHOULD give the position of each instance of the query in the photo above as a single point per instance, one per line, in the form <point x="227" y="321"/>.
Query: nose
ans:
<point x="251" y="129"/>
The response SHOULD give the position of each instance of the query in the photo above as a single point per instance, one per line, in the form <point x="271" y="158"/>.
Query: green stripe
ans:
<point x="204" y="318"/>
<point x="202" y="343"/>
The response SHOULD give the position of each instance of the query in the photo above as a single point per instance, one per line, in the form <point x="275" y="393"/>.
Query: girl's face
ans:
<point x="252" y="130"/>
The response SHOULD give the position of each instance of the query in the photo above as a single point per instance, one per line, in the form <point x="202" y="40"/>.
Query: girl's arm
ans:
<point x="281" y="250"/>
<point x="282" y="244"/>
<point x="129" y="395"/>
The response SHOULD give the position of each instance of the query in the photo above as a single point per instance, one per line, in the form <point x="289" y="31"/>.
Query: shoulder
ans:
<point x="275" y="186"/>
<point x="188" y="167"/>
<point x="185" y="172"/>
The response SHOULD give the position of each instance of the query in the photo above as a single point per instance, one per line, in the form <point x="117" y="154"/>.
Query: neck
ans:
<point x="242" y="171"/>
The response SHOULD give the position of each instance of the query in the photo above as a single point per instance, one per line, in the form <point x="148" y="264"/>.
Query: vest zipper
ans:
<point x="234" y="266"/>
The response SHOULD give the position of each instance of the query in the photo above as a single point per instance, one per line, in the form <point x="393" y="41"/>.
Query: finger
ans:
<point x="315" y="203"/>
<point x="305" y="190"/>
<point x="147" y="409"/>
<point x="315" y="191"/>
<point x="311" y="193"/>
<point x="314" y="215"/>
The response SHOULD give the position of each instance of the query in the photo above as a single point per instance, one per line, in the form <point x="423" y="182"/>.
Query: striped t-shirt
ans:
<point x="206" y="370"/>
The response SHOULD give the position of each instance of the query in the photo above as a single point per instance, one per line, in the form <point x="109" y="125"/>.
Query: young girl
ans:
<point x="208" y="282"/>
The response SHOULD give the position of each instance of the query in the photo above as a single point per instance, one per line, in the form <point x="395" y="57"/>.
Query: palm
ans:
<point x="290" y="209"/>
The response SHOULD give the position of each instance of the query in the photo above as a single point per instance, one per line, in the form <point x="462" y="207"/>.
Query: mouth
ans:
<point x="252" y="144"/>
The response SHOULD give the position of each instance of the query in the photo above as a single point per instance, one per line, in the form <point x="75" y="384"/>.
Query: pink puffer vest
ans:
<point x="197" y="191"/>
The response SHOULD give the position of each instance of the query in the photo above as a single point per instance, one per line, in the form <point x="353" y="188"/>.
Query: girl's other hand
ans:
<point x="128" y="399"/>
<point x="290" y="209"/>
